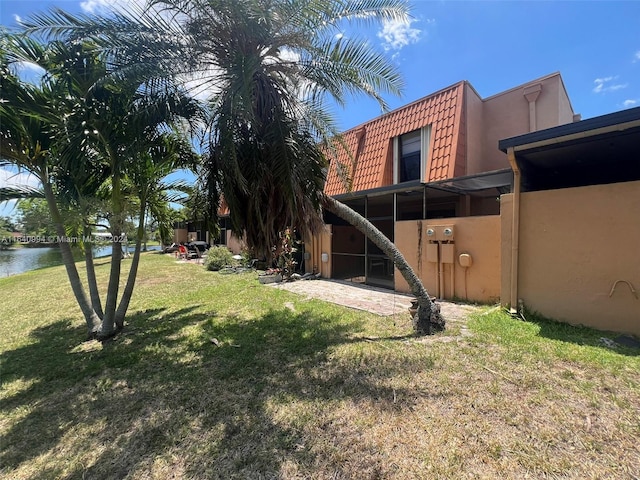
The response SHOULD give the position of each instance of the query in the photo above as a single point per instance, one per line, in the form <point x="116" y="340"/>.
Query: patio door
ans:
<point x="348" y="247"/>
<point x="379" y="267"/>
<point x="354" y="257"/>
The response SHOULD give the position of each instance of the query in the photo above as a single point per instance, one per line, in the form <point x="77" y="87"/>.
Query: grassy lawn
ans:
<point x="217" y="376"/>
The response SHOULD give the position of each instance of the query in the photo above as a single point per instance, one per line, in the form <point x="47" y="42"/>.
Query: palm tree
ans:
<point x="277" y="61"/>
<point x="80" y="133"/>
<point x="26" y="124"/>
<point x="270" y="66"/>
<point x="159" y="157"/>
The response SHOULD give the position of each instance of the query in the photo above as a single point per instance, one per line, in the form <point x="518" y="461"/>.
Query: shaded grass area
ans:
<point x="216" y="376"/>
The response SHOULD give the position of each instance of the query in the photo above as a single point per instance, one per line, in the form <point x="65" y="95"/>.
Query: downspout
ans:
<point x="515" y="231"/>
<point x="531" y="94"/>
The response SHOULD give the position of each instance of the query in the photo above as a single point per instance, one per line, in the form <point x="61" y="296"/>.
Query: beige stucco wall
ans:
<point x="475" y="130"/>
<point x="565" y="112"/>
<point x="180" y="235"/>
<point x="476" y="236"/>
<point x="507" y="115"/>
<point x="234" y="243"/>
<point x="315" y="247"/>
<point x="574" y="245"/>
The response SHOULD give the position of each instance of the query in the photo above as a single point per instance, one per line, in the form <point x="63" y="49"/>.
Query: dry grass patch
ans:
<point x="301" y="389"/>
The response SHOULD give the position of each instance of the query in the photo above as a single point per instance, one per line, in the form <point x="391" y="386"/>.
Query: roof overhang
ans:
<point x="467" y="185"/>
<point x="594" y="151"/>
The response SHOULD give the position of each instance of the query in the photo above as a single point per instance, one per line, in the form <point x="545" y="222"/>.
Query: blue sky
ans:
<point x="595" y="45"/>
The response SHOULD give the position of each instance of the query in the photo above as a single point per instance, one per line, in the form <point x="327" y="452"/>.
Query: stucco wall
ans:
<point x="180" y="235"/>
<point x="566" y="113"/>
<point x="476" y="236"/>
<point x="315" y="247"/>
<point x="474" y="141"/>
<point x="507" y="115"/>
<point x="234" y="243"/>
<point x="575" y="244"/>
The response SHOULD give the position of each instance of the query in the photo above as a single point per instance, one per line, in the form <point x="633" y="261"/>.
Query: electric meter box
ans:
<point x="444" y="233"/>
<point x="432" y="252"/>
<point x="448" y="252"/>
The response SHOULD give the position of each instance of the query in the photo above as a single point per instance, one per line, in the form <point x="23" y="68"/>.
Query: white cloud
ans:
<point x="103" y="7"/>
<point x="636" y="57"/>
<point x="17" y="18"/>
<point x="396" y="34"/>
<point x="29" y="68"/>
<point x="93" y="6"/>
<point x="606" y="84"/>
<point x="629" y="103"/>
<point x="202" y="85"/>
<point x="100" y="6"/>
<point x="10" y="177"/>
<point x="131" y="8"/>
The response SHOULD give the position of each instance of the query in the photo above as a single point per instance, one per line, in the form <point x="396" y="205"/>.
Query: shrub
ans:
<point x="218" y="257"/>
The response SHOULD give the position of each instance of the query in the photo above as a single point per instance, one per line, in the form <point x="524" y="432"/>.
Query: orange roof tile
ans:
<point x="370" y="161"/>
<point x="223" y="208"/>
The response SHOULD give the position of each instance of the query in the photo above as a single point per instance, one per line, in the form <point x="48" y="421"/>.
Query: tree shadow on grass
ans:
<point x="54" y="367"/>
<point x="165" y="395"/>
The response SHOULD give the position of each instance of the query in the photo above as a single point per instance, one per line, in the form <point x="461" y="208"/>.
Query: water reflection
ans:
<point x="19" y="260"/>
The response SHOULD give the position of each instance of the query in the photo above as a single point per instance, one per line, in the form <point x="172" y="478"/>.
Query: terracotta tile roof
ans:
<point x="223" y="208"/>
<point x="370" y="164"/>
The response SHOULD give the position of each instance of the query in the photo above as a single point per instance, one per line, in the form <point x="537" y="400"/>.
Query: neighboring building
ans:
<point x="431" y="165"/>
<point x="191" y="231"/>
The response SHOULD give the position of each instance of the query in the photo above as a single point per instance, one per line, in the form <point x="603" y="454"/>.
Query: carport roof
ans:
<point x="465" y="185"/>
<point x="595" y="151"/>
<point x="611" y="122"/>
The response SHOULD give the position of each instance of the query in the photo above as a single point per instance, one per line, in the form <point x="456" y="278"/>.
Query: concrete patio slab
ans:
<point x="362" y="297"/>
<point x="379" y="301"/>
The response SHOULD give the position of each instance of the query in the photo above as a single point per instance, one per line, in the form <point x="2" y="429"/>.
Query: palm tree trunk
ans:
<point x="428" y="317"/>
<point x="90" y="316"/>
<point x="94" y="293"/>
<point x="108" y="322"/>
<point x="116" y="223"/>
<point x="133" y="272"/>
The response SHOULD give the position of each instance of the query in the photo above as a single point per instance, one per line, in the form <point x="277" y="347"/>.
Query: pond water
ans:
<point x="19" y="260"/>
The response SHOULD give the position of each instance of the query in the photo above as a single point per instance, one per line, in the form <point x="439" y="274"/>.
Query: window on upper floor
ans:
<point x="410" y="155"/>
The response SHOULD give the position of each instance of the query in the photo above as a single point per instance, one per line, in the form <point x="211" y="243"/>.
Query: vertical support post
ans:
<point x="515" y="230"/>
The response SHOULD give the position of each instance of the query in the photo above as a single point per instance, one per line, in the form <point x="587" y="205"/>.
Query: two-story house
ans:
<point x="430" y="166"/>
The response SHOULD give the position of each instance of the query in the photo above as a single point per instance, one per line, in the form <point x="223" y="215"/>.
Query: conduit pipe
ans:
<point x="515" y="231"/>
<point x="440" y="274"/>
<point x="453" y="280"/>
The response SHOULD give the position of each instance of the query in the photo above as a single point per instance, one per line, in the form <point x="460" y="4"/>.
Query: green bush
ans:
<point x="218" y="257"/>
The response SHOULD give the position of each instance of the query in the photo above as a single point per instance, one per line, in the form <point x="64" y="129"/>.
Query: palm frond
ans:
<point x="19" y="192"/>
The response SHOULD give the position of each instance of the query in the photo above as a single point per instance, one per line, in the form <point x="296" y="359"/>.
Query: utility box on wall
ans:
<point x="432" y="252"/>
<point x="465" y="260"/>
<point x="476" y="276"/>
<point x="448" y="252"/>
